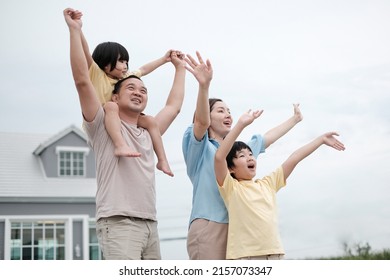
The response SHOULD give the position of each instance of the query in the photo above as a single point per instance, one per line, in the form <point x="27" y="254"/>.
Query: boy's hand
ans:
<point x="248" y="117"/>
<point x="331" y="141"/>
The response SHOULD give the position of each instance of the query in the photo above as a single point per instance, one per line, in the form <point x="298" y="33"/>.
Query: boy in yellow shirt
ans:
<point x="253" y="223"/>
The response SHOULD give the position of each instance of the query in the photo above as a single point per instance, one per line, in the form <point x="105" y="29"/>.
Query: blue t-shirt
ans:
<point x="199" y="158"/>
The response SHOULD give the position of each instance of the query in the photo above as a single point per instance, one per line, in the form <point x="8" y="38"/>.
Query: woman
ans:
<point x="207" y="235"/>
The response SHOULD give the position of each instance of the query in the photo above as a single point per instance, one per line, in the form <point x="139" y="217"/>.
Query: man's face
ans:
<point x="133" y="95"/>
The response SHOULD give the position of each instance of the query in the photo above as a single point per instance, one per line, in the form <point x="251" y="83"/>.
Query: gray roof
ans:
<point x="58" y="136"/>
<point x="22" y="177"/>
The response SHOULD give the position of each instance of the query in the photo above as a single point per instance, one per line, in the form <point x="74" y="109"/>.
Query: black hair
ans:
<point x="108" y="53"/>
<point x="237" y="146"/>
<point x="212" y="102"/>
<point x="118" y="85"/>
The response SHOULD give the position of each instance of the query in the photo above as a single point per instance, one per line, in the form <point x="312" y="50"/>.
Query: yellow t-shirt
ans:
<point x="103" y="84"/>
<point x="253" y="215"/>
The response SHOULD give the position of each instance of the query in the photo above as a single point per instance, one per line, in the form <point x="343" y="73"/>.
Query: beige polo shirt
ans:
<point x="125" y="185"/>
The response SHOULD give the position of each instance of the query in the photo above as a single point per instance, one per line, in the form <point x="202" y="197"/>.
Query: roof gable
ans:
<point x="22" y="177"/>
<point x="58" y="136"/>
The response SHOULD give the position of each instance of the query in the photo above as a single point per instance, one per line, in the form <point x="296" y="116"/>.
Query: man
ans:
<point x="126" y="197"/>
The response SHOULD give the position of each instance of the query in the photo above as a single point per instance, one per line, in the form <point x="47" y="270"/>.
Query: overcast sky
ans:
<point x="331" y="56"/>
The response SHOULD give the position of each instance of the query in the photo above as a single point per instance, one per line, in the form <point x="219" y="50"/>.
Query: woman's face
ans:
<point x="221" y="120"/>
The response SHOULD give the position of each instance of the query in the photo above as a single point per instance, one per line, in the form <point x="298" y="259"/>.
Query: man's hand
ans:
<point x="73" y="18"/>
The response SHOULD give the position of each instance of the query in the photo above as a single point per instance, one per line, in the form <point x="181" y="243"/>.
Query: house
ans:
<point x="47" y="197"/>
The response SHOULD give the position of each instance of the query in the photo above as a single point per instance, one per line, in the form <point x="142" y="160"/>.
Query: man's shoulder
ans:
<point x="92" y="126"/>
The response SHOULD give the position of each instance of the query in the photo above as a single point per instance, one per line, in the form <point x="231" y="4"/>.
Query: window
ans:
<point x="71" y="164"/>
<point x="94" y="249"/>
<point x="37" y="240"/>
<point x="71" y="161"/>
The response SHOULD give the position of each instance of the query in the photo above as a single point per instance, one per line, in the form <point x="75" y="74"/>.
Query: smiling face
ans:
<point x="221" y="120"/>
<point x="132" y="95"/>
<point x="241" y="162"/>
<point x="119" y="71"/>
<point x="112" y="58"/>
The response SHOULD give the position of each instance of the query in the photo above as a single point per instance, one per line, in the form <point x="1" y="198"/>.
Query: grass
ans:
<point x="361" y="252"/>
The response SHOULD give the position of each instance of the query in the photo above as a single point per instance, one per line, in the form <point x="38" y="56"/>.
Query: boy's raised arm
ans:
<point x="328" y="139"/>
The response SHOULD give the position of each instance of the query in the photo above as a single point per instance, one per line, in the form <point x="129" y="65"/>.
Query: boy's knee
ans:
<point x="111" y="107"/>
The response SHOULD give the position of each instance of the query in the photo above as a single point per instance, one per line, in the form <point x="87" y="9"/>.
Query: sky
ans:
<point x="332" y="57"/>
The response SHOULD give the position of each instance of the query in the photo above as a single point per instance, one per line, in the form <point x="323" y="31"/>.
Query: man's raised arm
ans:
<point x="88" y="99"/>
<point x="165" y="117"/>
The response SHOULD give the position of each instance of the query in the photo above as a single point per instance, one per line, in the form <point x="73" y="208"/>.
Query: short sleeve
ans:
<point x="257" y="145"/>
